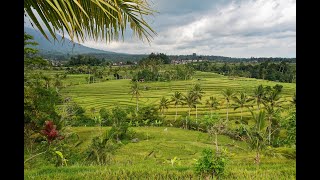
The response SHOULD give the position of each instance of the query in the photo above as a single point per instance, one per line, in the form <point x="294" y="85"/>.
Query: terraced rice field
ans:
<point x="116" y="92"/>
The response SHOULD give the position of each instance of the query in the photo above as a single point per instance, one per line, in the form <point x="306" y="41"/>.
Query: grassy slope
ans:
<point x="133" y="158"/>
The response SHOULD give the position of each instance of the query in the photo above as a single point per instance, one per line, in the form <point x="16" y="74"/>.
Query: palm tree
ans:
<point x="271" y="114"/>
<point x="257" y="133"/>
<point x="164" y="103"/>
<point x="228" y="95"/>
<point x="190" y="101"/>
<point x="259" y="94"/>
<point x="212" y="103"/>
<point x="96" y="18"/>
<point x="271" y="101"/>
<point x="177" y="99"/>
<point x="273" y="98"/>
<point x="241" y="102"/>
<point x="135" y="93"/>
<point x="197" y="91"/>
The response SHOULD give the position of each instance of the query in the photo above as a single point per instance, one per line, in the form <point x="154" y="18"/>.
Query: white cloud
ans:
<point x="237" y="29"/>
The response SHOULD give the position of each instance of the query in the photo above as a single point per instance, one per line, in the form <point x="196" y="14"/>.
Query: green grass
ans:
<point x="132" y="159"/>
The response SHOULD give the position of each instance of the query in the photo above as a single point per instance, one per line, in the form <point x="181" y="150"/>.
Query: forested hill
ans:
<point x="63" y="47"/>
<point x="65" y="50"/>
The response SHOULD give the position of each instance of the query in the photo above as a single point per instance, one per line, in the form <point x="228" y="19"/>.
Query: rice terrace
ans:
<point x="95" y="114"/>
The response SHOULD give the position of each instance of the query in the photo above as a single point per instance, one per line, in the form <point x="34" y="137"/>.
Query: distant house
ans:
<point x="185" y="61"/>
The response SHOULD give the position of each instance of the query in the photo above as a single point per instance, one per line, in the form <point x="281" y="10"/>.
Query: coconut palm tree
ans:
<point x="256" y="135"/>
<point x="164" y="104"/>
<point x="177" y="98"/>
<point x="272" y="104"/>
<point x="272" y="98"/>
<point x="190" y="100"/>
<point x="94" y="18"/>
<point x="212" y="103"/>
<point x="241" y="102"/>
<point x="135" y="92"/>
<point x="228" y="94"/>
<point x="271" y="115"/>
<point x="197" y="91"/>
<point x="259" y="94"/>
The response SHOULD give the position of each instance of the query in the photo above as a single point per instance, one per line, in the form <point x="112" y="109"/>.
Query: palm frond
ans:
<point x="99" y="19"/>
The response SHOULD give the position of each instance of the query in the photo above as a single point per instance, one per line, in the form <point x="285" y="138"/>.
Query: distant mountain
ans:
<point x="62" y="47"/>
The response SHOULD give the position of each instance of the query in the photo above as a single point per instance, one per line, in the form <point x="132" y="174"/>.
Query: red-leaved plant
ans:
<point x="50" y="131"/>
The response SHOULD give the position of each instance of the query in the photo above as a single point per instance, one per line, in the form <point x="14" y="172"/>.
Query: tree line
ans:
<point x="282" y="72"/>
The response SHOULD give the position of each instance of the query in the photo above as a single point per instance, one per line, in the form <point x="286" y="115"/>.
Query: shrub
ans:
<point x="50" y="132"/>
<point x="119" y="124"/>
<point x="210" y="164"/>
<point x="290" y="125"/>
<point x="150" y="113"/>
<point x="83" y="120"/>
<point x="106" y="117"/>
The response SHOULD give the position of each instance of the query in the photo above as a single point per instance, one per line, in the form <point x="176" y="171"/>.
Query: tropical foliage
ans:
<point x="90" y="18"/>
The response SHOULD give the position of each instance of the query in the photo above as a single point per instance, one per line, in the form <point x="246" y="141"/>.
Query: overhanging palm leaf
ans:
<point x="97" y="18"/>
<point x="259" y="119"/>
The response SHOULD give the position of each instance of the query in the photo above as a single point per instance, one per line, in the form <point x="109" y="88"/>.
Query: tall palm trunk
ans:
<point x="186" y="122"/>
<point x="269" y="137"/>
<point x="210" y="112"/>
<point x="187" y="119"/>
<point x="241" y="114"/>
<point x="137" y="104"/>
<point x="227" y="111"/>
<point x="175" y="118"/>
<point x="196" y="114"/>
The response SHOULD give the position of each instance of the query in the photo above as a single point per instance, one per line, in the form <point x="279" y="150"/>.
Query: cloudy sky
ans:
<point x="241" y="28"/>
